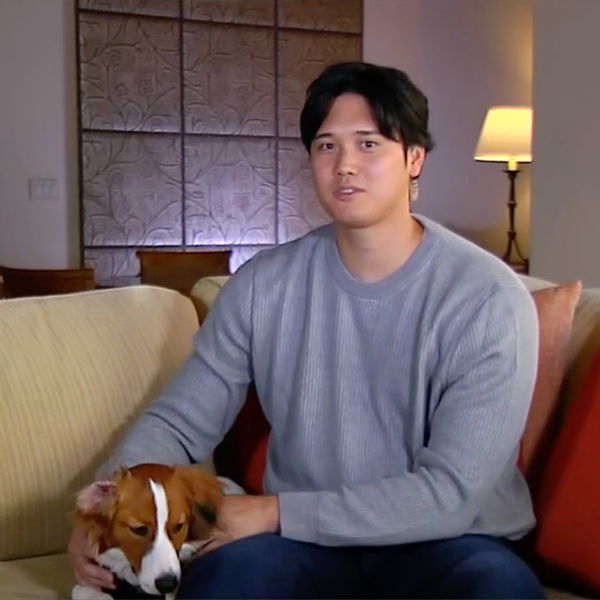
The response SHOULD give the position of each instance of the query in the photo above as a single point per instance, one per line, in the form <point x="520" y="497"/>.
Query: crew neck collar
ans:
<point x="394" y="282"/>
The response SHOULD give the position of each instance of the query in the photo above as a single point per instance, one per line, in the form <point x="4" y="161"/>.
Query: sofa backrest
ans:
<point x="75" y="369"/>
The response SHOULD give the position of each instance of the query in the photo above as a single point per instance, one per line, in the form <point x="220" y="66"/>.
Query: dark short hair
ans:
<point x="399" y="107"/>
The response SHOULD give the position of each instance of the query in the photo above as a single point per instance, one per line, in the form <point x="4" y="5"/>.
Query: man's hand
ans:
<point x="82" y="556"/>
<point x="241" y="516"/>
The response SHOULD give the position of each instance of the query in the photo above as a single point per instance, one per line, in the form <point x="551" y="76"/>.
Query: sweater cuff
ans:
<point x="299" y="515"/>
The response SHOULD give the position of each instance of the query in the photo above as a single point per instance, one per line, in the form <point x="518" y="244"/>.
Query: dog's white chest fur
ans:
<point x="117" y="562"/>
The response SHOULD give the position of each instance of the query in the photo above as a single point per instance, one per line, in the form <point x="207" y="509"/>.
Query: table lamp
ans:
<point x="506" y="137"/>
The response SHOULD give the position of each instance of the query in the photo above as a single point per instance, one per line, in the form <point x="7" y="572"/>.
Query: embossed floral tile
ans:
<point x="132" y="189"/>
<point x="230" y="190"/>
<point x="163" y="8"/>
<point x="130" y="74"/>
<point x="113" y="266"/>
<point x="298" y="208"/>
<point x="302" y="56"/>
<point x="229" y="75"/>
<point x="242" y="254"/>
<point x="248" y="12"/>
<point x="321" y="15"/>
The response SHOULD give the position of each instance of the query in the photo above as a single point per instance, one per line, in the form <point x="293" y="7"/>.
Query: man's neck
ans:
<point x="371" y="255"/>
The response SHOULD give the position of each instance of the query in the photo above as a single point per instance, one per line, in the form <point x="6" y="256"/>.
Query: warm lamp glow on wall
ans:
<point x="506" y="137"/>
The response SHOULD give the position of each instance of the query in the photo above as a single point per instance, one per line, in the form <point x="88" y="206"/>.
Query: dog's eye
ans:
<point x="142" y="530"/>
<point x="178" y="527"/>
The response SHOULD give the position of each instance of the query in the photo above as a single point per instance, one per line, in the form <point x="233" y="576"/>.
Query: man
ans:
<point x="395" y="362"/>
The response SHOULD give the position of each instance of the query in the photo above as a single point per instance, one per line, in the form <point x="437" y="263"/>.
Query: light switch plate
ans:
<point x="43" y="189"/>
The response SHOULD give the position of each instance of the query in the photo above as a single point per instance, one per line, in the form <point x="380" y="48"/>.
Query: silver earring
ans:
<point x="414" y="189"/>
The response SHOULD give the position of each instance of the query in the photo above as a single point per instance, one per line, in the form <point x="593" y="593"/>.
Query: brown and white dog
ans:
<point x="143" y="521"/>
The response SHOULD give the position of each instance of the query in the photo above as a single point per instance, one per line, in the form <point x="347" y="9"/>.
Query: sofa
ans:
<point x="75" y="371"/>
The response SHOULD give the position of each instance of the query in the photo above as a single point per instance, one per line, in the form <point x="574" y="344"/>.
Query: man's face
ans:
<point x="361" y="177"/>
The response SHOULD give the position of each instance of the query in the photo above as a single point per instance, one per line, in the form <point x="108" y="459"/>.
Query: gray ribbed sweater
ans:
<point x="396" y="407"/>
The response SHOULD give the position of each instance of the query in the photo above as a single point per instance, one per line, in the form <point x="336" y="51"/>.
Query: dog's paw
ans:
<point x="188" y="551"/>
<point x="80" y="592"/>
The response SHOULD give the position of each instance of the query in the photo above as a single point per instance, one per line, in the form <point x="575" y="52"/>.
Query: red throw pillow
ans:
<point x="253" y="433"/>
<point x="242" y="455"/>
<point x="568" y="531"/>
<point x="555" y="308"/>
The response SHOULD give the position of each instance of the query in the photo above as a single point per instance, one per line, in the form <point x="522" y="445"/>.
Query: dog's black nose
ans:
<point x="166" y="583"/>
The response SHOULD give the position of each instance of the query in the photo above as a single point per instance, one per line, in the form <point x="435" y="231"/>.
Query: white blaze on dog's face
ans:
<point x="160" y="566"/>
<point x="150" y="516"/>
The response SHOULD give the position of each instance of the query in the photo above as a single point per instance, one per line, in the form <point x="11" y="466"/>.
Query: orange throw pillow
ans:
<point x="568" y="532"/>
<point x="555" y="308"/>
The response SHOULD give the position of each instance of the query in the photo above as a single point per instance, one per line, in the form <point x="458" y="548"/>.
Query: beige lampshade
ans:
<point x="506" y="135"/>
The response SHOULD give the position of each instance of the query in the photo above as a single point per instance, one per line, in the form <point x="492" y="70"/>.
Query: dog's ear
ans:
<point x="204" y="494"/>
<point x="94" y="508"/>
<point x="97" y="498"/>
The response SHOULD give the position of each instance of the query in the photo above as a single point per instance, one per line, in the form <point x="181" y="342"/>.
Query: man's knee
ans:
<point x="257" y="550"/>
<point x="248" y="568"/>
<point x="491" y="574"/>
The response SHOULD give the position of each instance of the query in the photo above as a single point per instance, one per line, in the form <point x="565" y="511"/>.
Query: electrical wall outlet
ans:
<point x="43" y="189"/>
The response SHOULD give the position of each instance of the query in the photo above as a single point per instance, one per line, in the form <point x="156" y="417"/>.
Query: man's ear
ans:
<point x="415" y="159"/>
<point x="204" y="495"/>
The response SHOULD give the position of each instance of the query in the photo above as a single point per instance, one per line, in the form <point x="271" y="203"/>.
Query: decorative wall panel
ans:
<point x="302" y="56"/>
<point x="162" y="8"/>
<point x="249" y="12"/>
<point x="321" y="15"/>
<point x="228" y="75"/>
<point x="114" y="266"/>
<point x="189" y="123"/>
<point x="230" y="191"/>
<point x="298" y="207"/>
<point x="241" y="254"/>
<point x="132" y="190"/>
<point x="130" y="76"/>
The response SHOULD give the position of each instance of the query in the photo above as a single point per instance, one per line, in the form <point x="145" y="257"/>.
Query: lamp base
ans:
<point x="519" y="267"/>
<point x="521" y="264"/>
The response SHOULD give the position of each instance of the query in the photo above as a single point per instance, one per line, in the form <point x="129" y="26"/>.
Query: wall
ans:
<point x="39" y="133"/>
<point x="565" y="214"/>
<point x="466" y="56"/>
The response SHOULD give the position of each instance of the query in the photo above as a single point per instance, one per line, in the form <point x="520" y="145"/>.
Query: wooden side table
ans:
<point x="180" y="270"/>
<point x="42" y="282"/>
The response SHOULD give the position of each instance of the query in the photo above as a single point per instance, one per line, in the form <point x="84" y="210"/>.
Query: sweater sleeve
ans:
<point x="473" y="435"/>
<point x="200" y="403"/>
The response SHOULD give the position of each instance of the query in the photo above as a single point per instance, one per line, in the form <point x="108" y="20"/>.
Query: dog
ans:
<point x="145" y="522"/>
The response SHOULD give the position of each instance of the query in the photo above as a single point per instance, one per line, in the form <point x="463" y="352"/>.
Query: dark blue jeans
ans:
<point x="269" y="566"/>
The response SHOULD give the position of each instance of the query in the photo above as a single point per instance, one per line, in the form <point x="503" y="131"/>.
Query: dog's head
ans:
<point x="147" y="513"/>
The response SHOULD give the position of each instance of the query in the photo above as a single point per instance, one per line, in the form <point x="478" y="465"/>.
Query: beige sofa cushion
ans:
<point x="40" y="577"/>
<point x="74" y="370"/>
<point x="205" y="291"/>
